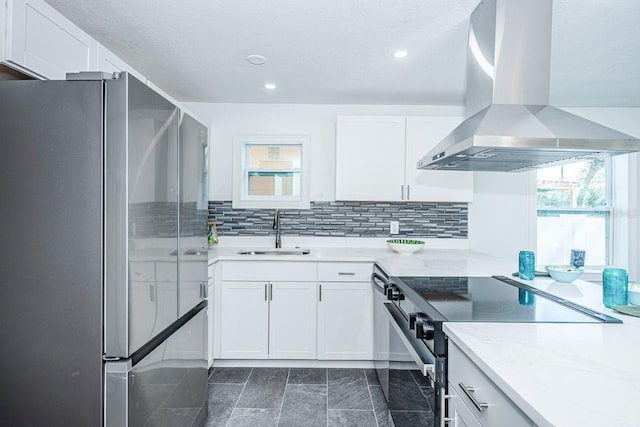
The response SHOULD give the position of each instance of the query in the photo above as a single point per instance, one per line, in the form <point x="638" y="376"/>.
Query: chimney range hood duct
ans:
<point x="510" y="126"/>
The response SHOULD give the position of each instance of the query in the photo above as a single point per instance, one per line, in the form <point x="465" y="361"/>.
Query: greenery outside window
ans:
<point x="270" y="171"/>
<point x="574" y="212"/>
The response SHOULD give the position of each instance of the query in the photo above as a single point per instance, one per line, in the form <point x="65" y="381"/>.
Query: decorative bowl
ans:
<point x="405" y="246"/>
<point x="564" y="273"/>
<point x="634" y="293"/>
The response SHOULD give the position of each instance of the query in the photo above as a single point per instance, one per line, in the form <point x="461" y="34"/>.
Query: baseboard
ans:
<point x="250" y="363"/>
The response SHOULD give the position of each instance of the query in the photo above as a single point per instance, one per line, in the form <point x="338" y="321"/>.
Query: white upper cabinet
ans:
<point x="109" y="62"/>
<point x="42" y="40"/>
<point x="422" y="134"/>
<point x="370" y="158"/>
<point x="376" y="160"/>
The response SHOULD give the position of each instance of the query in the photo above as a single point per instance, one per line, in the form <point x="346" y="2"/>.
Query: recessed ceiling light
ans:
<point x="269" y="86"/>
<point x="256" y="59"/>
<point x="399" y="54"/>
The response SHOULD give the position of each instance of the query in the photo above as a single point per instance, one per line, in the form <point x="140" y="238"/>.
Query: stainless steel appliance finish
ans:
<point x="94" y="211"/>
<point x="510" y="126"/>
<point x="51" y="190"/>
<point x="409" y="372"/>
<point x="163" y="387"/>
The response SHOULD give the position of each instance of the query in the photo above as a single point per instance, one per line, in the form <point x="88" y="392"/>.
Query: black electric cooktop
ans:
<point x="493" y="299"/>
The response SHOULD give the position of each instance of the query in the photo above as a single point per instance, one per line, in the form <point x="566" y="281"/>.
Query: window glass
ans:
<point x="274" y="156"/>
<point x="271" y="171"/>
<point x="574" y="212"/>
<point x="576" y="185"/>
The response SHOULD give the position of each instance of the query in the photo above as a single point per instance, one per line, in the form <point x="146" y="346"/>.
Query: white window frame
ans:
<point x="609" y="165"/>
<point x="240" y="172"/>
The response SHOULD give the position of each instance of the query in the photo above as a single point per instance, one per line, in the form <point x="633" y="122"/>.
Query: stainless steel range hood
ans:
<point x="510" y="126"/>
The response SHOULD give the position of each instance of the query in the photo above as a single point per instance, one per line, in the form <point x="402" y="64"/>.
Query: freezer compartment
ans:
<point x="166" y="380"/>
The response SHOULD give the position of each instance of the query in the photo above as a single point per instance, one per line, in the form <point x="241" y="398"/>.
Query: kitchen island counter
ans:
<point x="562" y="374"/>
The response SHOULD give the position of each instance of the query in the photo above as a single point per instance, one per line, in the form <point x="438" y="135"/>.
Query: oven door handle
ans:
<point x="427" y="367"/>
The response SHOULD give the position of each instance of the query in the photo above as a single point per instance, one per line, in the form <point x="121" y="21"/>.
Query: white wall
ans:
<point x="502" y="214"/>
<point x="319" y="121"/>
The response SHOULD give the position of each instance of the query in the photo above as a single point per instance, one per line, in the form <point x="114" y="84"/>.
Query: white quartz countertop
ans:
<point x="434" y="262"/>
<point x="562" y="374"/>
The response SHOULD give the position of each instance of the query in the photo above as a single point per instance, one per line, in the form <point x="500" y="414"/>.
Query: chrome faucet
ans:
<point x="276" y="226"/>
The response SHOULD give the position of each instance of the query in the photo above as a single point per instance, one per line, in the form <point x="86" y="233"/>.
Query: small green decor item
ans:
<point x="212" y="233"/>
<point x="406" y="241"/>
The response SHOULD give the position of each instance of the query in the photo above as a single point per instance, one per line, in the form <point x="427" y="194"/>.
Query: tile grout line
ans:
<point x="239" y="396"/>
<point x="326" y="374"/>
<point x="283" y="393"/>
<point x="420" y="387"/>
<point x="373" y="406"/>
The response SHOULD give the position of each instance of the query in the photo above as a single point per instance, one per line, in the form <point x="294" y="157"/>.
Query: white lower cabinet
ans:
<point x="268" y="320"/>
<point x="476" y="400"/>
<point x="292" y="320"/>
<point x="213" y="271"/>
<point x="459" y="412"/>
<point x="345" y="311"/>
<point x="345" y="321"/>
<point x="244" y="316"/>
<point x="290" y="315"/>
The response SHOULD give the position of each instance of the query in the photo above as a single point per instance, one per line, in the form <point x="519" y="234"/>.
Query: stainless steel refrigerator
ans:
<point x="103" y="318"/>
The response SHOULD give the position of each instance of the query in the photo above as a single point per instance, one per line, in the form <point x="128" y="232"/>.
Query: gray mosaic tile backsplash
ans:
<point x="346" y="219"/>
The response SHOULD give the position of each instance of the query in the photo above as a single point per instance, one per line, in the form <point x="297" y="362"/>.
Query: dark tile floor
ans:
<point x="265" y="397"/>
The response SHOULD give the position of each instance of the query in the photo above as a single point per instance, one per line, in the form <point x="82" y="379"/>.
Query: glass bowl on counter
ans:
<point x="564" y="273"/>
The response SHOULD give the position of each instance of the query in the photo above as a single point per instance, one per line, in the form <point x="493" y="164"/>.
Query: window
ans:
<point x="270" y="171"/>
<point x="574" y="212"/>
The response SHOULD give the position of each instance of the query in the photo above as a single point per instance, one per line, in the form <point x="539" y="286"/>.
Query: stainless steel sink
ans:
<point x="282" y="251"/>
<point x="191" y="252"/>
<point x="196" y="252"/>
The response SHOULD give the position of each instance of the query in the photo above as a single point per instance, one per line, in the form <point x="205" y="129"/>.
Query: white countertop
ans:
<point x="558" y="374"/>
<point x="435" y="262"/>
<point x="562" y="374"/>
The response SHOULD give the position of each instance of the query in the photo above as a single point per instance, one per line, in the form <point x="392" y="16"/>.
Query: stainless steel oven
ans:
<point x="413" y="378"/>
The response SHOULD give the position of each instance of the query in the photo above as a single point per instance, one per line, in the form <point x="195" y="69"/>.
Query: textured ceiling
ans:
<point x="339" y="52"/>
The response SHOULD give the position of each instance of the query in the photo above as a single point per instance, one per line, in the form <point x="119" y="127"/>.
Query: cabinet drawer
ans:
<point x="143" y="271"/>
<point x="501" y="411"/>
<point x="344" y="271"/>
<point x="281" y="271"/>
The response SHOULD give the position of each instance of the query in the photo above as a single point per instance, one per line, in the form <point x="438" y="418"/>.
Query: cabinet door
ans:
<point x="109" y="62"/>
<point x="370" y="157"/>
<point x="424" y="133"/>
<point x="345" y="321"/>
<point x="244" y="312"/>
<point x="292" y="320"/>
<point x="458" y="411"/>
<point x="44" y="41"/>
